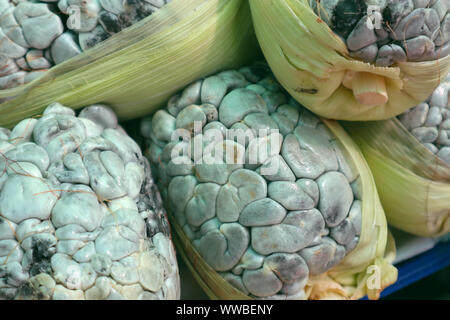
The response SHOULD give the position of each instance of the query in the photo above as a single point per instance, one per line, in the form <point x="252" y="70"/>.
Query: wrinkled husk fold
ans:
<point x="413" y="183"/>
<point x="138" y="69"/>
<point x="311" y="61"/>
<point x="349" y="279"/>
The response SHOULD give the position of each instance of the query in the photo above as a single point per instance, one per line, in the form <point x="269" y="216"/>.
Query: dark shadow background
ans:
<point x="434" y="287"/>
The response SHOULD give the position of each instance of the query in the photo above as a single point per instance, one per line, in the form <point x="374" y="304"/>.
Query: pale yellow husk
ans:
<point x="413" y="183"/>
<point x="138" y="69"/>
<point x="366" y="271"/>
<point x="310" y="61"/>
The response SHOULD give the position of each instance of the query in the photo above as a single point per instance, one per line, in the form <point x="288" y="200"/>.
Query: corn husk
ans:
<point x="413" y="183"/>
<point x="313" y="65"/>
<point x="138" y="69"/>
<point x="351" y="279"/>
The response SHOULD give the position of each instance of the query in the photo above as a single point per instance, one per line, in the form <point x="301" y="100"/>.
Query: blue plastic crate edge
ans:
<point x="419" y="267"/>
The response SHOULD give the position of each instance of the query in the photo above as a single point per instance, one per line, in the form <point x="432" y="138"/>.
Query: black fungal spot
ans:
<point x="387" y="15"/>
<point x="152" y="228"/>
<point x="110" y="22"/>
<point x="135" y="10"/>
<point x="41" y="250"/>
<point x="259" y="70"/>
<point x="395" y="11"/>
<point x="7" y="293"/>
<point x="98" y="37"/>
<point x="346" y="15"/>
<point x="28" y="292"/>
<point x="42" y="253"/>
<point x="144" y="11"/>
<point x="25" y="290"/>
<point x="41" y="267"/>
<point x="150" y="199"/>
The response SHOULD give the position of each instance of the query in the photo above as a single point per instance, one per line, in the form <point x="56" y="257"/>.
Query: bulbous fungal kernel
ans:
<point x="37" y="35"/>
<point x="385" y="32"/>
<point x="80" y="216"/>
<point x="429" y="122"/>
<point x="264" y="191"/>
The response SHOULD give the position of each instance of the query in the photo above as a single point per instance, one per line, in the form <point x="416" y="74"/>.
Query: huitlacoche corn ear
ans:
<point x="385" y="32"/>
<point x="260" y="186"/>
<point x="156" y="57"/>
<point x="96" y="20"/>
<point x="34" y="36"/>
<point x="429" y="122"/>
<point x="355" y="60"/>
<point x="27" y="31"/>
<point x="80" y="215"/>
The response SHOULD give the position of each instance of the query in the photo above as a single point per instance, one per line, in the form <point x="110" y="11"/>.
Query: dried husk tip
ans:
<point x="369" y="89"/>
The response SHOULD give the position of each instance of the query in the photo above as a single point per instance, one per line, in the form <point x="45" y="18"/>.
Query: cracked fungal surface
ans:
<point x="34" y="35"/>
<point x="80" y="215"/>
<point x="385" y="32"/>
<point x="429" y="121"/>
<point x="266" y="209"/>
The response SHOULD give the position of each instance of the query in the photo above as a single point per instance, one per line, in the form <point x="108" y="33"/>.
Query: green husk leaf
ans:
<point x="413" y="183"/>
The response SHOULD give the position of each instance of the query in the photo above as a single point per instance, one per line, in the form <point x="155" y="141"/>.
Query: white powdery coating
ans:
<point x="27" y="31"/>
<point x="80" y="216"/>
<point x="429" y="121"/>
<point x="264" y="231"/>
